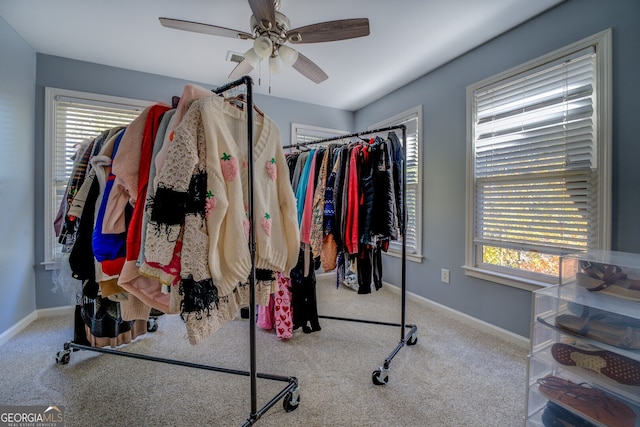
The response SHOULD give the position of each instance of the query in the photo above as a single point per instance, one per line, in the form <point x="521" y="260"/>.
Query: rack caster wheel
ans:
<point x="63" y="357"/>
<point x="413" y="339"/>
<point x="289" y="403"/>
<point x="152" y="324"/>
<point x="380" y="376"/>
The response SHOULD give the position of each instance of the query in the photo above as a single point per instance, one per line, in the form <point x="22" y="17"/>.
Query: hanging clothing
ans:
<point x="303" y="290"/>
<point x="203" y="185"/>
<point x="189" y="93"/>
<point x="147" y="290"/>
<point x="357" y="205"/>
<point x="278" y="314"/>
<point x="109" y="249"/>
<point x="161" y="220"/>
<point x="157" y="146"/>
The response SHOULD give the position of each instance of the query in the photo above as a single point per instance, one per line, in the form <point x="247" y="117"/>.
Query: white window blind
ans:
<point x="535" y="163"/>
<point x="539" y="153"/>
<point x="71" y="118"/>
<point x="77" y="121"/>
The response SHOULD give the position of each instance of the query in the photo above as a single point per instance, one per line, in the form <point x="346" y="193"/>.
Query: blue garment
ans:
<point x="302" y="185"/>
<point x="109" y="247"/>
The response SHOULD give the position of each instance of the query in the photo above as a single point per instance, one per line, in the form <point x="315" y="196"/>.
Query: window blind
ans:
<point x="412" y="197"/>
<point x="77" y="120"/>
<point x="536" y="159"/>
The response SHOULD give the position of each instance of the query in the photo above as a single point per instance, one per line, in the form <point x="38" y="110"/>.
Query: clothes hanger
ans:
<point x="240" y="101"/>
<point x="302" y="147"/>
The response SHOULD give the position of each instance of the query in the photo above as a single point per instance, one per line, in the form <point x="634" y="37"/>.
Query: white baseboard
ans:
<point x="487" y="327"/>
<point x="37" y="314"/>
<point x="15" y="329"/>
<point x="55" y="311"/>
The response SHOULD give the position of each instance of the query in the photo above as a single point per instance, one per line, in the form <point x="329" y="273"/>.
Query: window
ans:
<point x="539" y="147"/>
<point x="70" y="118"/>
<point x="305" y="133"/>
<point x="412" y="119"/>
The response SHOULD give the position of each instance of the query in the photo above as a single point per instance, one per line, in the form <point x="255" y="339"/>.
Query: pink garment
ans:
<point x="265" y="315"/>
<point x="278" y="314"/>
<point x="282" y="308"/>
<point x="307" y="213"/>
<point x="353" y="203"/>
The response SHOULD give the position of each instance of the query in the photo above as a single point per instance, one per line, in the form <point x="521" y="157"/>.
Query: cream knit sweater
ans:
<point x="211" y="141"/>
<point x="277" y="235"/>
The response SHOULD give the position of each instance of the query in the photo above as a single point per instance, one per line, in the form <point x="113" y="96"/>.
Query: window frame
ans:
<point x="528" y="280"/>
<point x="395" y="248"/>
<point x="51" y="251"/>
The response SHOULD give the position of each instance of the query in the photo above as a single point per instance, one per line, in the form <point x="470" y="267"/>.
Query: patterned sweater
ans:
<point x="203" y="192"/>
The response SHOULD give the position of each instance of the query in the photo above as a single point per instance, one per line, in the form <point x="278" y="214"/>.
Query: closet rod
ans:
<point x="381" y="376"/>
<point x="351" y="135"/>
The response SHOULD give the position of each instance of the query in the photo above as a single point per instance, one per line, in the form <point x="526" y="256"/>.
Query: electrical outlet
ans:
<point x="444" y="275"/>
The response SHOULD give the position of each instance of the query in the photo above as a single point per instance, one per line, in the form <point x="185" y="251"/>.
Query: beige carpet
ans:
<point x="455" y="375"/>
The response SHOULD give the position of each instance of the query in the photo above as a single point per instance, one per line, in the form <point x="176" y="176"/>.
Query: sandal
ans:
<point x="607" y="279"/>
<point x="616" y="334"/>
<point x="619" y="368"/>
<point x="590" y="402"/>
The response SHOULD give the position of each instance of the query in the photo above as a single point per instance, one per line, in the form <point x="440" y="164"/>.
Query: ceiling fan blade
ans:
<point x="341" y="29"/>
<point x="264" y="10"/>
<point x="309" y="69"/>
<point x="242" y="69"/>
<point x="198" y="27"/>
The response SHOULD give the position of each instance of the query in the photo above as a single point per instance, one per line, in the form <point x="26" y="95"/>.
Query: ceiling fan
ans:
<point x="270" y="33"/>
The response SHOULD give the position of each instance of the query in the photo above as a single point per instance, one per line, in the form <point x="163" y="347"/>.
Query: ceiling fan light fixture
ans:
<point x="252" y="57"/>
<point x="263" y="46"/>
<point x="271" y="28"/>
<point x="288" y="55"/>
<point x="274" y="65"/>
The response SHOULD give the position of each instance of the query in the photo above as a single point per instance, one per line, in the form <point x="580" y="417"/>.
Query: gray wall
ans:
<point x="443" y="96"/>
<point x="17" y="75"/>
<point x="53" y="71"/>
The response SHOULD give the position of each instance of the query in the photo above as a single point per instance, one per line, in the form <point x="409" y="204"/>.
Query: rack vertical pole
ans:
<point x="252" y="248"/>
<point x="404" y="235"/>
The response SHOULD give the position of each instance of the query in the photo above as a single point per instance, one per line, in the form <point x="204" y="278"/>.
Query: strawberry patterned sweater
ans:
<point x="202" y="196"/>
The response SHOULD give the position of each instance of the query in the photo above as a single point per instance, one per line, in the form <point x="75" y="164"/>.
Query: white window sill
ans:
<point x="505" y="279"/>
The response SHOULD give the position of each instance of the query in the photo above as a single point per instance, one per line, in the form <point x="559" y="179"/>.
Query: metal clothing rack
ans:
<point x="381" y="376"/>
<point x="291" y="393"/>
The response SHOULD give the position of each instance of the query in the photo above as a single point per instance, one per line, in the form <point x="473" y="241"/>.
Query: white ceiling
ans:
<point x="408" y="39"/>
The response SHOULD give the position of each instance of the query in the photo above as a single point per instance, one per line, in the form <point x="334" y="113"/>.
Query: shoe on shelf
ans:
<point x="614" y="366"/>
<point x="593" y="403"/>
<point x="556" y="416"/>
<point x="612" y="332"/>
